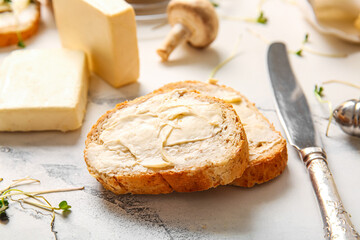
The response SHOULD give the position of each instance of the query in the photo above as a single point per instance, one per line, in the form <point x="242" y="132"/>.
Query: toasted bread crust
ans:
<point x="11" y="37"/>
<point x="264" y="169"/>
<point x="260" y="170"/>
<point x="168" y="180"/>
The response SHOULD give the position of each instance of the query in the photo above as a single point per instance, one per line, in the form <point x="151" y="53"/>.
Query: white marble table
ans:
<point x="284" y="208"/>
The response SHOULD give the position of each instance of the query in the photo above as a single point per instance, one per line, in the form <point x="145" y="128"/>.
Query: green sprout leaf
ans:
<point x="64" y="206"/>
<point x="261" y="18"/>
<point x="299" y="52"/>
<point x="215" y="4"/>
<point x="4" y="202"/>
<point x="319" y="91"/>
<point x="3" y="206"/>
<point x="306" y="38"/>
<point x="21" y="44"/>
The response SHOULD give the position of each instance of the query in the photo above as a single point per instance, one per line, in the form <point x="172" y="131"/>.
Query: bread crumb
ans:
<point x="213" y="81"/>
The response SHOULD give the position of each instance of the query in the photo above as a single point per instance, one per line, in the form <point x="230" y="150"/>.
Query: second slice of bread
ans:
<point x="175" y="141"/>
<point x="267" y="148"/>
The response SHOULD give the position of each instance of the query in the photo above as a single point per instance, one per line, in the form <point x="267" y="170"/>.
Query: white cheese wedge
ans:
<point x="43" y="90"/>
<point x="106" y="31"/>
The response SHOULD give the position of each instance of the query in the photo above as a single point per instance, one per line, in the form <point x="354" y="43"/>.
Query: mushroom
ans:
<point x="192" y="20"/>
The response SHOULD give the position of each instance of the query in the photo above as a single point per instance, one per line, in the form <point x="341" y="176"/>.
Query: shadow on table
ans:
<point x="40" y="138"/>
<point x="186" y="55"/>
<point x="339" y="46"/>
<point x="226" y="209"/>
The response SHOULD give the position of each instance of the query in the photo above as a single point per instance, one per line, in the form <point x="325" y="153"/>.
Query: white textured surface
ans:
<point x="284" y="208"/>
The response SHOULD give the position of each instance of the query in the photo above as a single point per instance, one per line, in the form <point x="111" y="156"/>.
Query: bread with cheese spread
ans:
<point x="267" y="148"/>
<point x="19" y="21"/>
<point x="174" y="141"/>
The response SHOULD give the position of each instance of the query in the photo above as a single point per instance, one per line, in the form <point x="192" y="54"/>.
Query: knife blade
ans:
<point x="295" y="116"/>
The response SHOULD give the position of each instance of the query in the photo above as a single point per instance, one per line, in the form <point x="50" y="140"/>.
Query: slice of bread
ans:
<point x="267" y="148"/>
<point x="179" y="141"/>
<point x="25" y="24"/>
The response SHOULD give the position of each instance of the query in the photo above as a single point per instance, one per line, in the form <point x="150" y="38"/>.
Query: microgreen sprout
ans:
<point x="227" y="60"/>
<point x="319" y="91"/>
<point x="215" y="4"/>
<point x="3" y="206"/>
<point x="261" y="18"/>
<point x="304" y="48"/>
<point x="21" y="42"/>
<point x="64" y="206"/>
<point x="306" y="38"/>
<point x="319" y="94"/>
<point x="11" y="193"/>
<point x="299" y="52"/>
<point x="342" y="82"/>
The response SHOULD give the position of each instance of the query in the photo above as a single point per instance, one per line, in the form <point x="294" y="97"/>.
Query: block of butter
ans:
<point x="43" y="90"/>
<point x="106" y="31"/>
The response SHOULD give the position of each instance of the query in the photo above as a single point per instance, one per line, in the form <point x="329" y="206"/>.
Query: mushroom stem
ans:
<point x="178" y="34"/>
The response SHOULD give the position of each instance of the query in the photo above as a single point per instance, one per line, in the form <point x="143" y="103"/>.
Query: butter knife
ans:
<point x="295" y="117"/>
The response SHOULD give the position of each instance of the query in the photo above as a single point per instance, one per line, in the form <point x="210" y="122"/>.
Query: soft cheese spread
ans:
<point x="19" y="14"/>
<point x="260" y="135"/>
<point x="144" y="134"/>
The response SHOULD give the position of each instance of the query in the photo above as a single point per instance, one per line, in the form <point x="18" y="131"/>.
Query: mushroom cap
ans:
<point x="198" y="16"/>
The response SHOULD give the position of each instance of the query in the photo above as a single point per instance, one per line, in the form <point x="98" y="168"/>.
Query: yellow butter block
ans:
<point x="106" y="31"/>
<point x="43" y="90"/>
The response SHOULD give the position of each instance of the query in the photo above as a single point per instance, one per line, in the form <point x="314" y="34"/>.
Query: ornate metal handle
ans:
<point x="336" y="220"/>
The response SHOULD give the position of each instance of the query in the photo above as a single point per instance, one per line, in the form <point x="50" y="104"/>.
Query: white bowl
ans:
<point x="342" y="29"/>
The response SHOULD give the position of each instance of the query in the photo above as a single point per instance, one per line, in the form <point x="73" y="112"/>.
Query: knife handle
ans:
<point x="337" y="224"/>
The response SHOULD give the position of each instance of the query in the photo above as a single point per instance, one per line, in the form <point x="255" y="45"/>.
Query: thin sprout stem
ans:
<point x="52" y="224"/>
<point x="25" y="179"/>
<point x="10" y="190"/>
<point x="342" y="82"/>
<point x="3" y="208"/>
<point x="40" y="192"/>
<point x="23" y="182"/>
<point x="218" y="67"/>
<point x="258" y="35"/>
<point x="261" y="4"/>
<point x="223" y="63"/>
<point x="50" y="208"/>
<point x="38" y="199"/>
<point x="250" y="20"/>
<point x="245" y="19"/>
<point x="293" y="52"/>
<point x="330" y="110"/>
<point x="340" y="55"/>
<point x="19" y="182"/>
